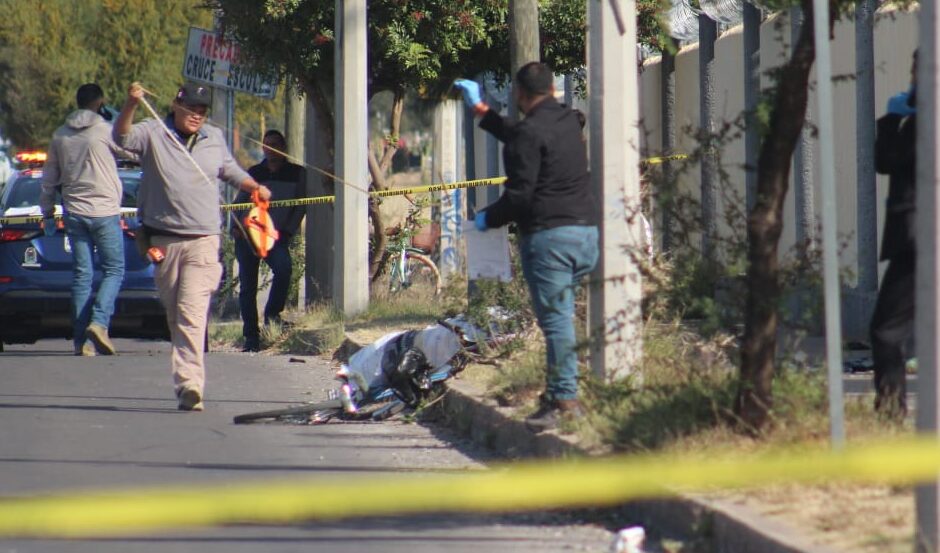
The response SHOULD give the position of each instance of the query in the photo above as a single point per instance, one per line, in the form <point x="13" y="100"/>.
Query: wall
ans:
<point x="895" y="40"/>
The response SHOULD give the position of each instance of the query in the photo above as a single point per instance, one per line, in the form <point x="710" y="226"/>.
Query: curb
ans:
<point x="724" y="526"/>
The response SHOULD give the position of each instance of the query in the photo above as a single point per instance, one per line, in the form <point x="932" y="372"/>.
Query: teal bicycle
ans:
<point x="410" y="266"/>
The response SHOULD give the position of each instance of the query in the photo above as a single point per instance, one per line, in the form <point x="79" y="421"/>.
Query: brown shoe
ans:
<point x="99" y="336"/>
<point x="570" y="407"/>
<point x="551" y="412"/>
<point x="87" y="350"/>
<point x="190" y="399"/>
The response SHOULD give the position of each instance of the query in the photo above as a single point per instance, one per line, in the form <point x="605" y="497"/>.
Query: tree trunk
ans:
<point x="327" y="126"/>
<point x="378" y="169"/>
<point x="765" y="224"/>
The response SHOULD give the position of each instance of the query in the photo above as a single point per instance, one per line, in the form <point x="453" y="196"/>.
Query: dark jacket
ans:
<point x="547" y="182"/>
<point x="895" y="150"/>
<point x="287" y="183"/>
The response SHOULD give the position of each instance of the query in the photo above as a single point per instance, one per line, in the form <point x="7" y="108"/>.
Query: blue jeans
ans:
<point x="278" y="260"/>
<point x="553" y="261"/>
<point x="87" y="234"/>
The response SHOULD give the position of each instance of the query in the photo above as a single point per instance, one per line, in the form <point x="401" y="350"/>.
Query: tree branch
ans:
<point x="391" y="146"/>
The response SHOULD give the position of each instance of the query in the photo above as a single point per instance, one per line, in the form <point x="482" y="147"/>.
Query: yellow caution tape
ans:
<point x="664" y="159"/>
<point x="524" y="486"/>
<point x="316" y="200"/>
<point x="377" y="193"/>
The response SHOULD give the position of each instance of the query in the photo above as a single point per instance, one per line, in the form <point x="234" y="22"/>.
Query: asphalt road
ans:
<point x="72" y="423"/>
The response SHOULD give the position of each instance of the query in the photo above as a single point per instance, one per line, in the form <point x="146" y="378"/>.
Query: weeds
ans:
<point x="521" y="379"/>
<point x="688" y="386"/>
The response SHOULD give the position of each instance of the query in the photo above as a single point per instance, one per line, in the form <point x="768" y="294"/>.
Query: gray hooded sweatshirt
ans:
<point x="81" y="160"/>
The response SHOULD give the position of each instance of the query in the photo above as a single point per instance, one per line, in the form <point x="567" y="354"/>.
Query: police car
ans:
<point x="36" y="270"/>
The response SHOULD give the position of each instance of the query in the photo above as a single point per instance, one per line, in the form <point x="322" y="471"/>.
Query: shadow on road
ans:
<point x="312" y="468"/>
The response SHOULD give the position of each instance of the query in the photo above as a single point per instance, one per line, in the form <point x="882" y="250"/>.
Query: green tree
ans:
<point x="49" y="48"/>
<point x="415" y="47"/>
<point x="787" y="102"/>
<point x="41" y="57"/>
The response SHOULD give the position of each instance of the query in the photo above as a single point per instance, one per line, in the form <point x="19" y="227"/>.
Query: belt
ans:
<point x="161" y="232"/>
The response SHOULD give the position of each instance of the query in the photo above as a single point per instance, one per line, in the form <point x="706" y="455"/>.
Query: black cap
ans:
<point x="193" y="94"/>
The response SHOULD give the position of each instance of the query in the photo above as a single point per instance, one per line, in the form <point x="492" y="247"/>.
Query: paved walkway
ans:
<point x="72" y="423"/>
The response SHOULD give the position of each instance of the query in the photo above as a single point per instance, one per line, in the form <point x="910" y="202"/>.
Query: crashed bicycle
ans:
<point x="402" y="370"/>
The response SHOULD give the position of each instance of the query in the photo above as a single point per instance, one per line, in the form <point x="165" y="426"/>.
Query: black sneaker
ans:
<point x="546" y="418"/>
<point x="251" y="346"/>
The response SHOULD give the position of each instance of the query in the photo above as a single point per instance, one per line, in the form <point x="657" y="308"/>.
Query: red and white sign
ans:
<point x="212" y="60"/>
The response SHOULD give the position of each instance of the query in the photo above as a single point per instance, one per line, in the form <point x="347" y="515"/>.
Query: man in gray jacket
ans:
<point x="178" y="204"/>
<point x="81" y="165"/>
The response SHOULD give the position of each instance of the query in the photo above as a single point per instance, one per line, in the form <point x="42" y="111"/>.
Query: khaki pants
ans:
<point x="186" y="280"/>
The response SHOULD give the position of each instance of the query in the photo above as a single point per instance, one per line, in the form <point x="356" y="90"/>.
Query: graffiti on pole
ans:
<point x="451" y="206"/>
<point x="451" y="231"/>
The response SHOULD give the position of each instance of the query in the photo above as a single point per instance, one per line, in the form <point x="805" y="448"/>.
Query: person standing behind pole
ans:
<point x="81" y="162"/>
<point x="178" y="205"/>
<point x="892" y="323"/>
<point x="287" y="181"/>
<point x="548" y="196"/>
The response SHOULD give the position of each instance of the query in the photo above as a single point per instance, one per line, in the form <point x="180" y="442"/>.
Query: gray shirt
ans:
<point x="174" y="196"/>
<point x="81" y="161"/>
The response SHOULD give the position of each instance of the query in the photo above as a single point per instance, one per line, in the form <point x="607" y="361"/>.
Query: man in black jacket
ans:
<point x="892" y="324"/>
<point x="549" y="198"/>
<point x="287" y="181"/>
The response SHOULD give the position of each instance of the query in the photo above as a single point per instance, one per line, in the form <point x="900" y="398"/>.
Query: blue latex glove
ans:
<point x="48" y="226"/>
<point x="470" y="90"/>
<point x="480" y="221"/>
<point x="897" y="105"/>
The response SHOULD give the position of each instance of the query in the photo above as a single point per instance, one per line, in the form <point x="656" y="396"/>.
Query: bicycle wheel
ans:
<point x="396" y="280"/>
<point x="421" y="272"/>
<point x="330" y="408"/>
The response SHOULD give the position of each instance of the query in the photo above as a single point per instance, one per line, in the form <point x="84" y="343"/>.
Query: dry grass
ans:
<point x="320" y="329"/>
<point x="684" y="407"/>
<point x="844" y="517"/>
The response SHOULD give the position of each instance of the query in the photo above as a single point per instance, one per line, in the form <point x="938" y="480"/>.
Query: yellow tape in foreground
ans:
<point x="524" y="486"/>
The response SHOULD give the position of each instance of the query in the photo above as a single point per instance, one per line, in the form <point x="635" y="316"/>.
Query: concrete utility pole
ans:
<point x="447" y="168"/>
<point x="928" y="263"/>
<point x="295" y="121"/>
<point x="832" y="290"/>
<point x="752" y="21"/>
<point x="863" y="298"/>
<point x="668" y="86"/>
<point x="485" y="161"/>
<point x="708" y="35"/>
<point x="523" y="39"/>
<point x="295" y="116"/>
<point x="351" y="253"/>
<point x="615" y="291"/>
<point x="318" y="227"/>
